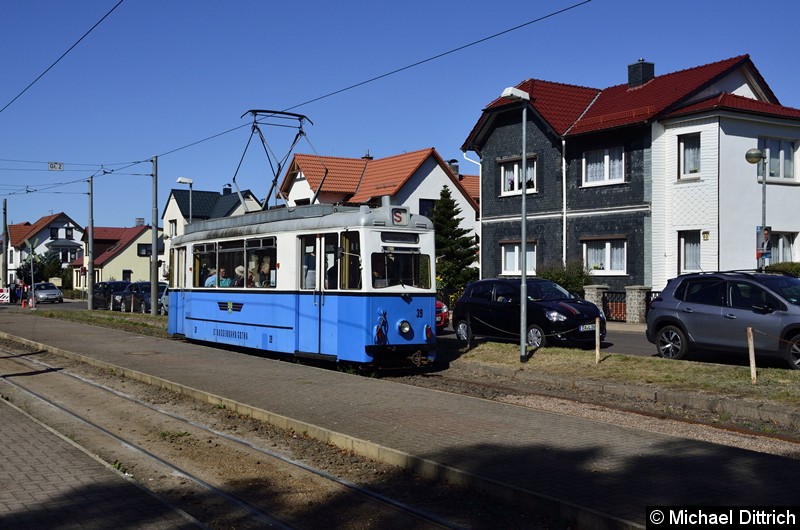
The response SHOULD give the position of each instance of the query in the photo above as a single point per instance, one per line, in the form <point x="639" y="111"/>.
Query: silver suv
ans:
<point x="714" y="310"/>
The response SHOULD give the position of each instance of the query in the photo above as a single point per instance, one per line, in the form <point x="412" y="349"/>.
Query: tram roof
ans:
<point x="289" y="219"/>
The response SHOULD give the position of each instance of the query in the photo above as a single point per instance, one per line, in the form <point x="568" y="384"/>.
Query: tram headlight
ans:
<point x="404" y="326"/>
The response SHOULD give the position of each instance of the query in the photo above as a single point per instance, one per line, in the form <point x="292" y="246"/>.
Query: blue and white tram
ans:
<point x="353" y="284"/>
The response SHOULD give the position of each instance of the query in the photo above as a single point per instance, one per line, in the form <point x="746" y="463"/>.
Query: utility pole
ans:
<point x="6" y="280"/>
<point x="154" y="252"/>
<point x="90" y="249"/>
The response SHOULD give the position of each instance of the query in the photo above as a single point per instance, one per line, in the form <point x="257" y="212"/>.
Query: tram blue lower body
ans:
<point x="333" y="326"/>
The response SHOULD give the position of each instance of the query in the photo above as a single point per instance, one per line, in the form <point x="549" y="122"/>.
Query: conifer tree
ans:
<point x="456" y="252"/>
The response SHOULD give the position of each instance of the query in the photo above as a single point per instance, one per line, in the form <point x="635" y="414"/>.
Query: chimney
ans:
<point x="139" y="221"/>
<point x="640" y="73"/>
<point x="453" y="163"/>
<point x="367" y="156"/>
<point x="226" y="189"/>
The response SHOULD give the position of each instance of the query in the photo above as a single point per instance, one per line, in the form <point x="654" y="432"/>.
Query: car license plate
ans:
<point x="438" y="318"/>
<point x="587" y="327"/>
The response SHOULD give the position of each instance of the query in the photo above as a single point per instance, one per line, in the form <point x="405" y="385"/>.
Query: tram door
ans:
<point x="318" y="310"/>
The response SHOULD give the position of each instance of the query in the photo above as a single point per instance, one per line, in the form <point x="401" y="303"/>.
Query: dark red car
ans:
<point x="442" y="316"/>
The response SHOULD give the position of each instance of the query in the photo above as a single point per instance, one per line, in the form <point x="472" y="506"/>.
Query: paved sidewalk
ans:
<point x="602" y="475"/>
<point x="47" y="482"/>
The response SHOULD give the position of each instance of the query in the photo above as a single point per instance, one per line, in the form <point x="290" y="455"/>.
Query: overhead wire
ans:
<point x="62" y="56"/>
<point x="319" y="98"/>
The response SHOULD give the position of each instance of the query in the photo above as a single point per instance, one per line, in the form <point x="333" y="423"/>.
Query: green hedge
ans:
<point x="788" y="267"/>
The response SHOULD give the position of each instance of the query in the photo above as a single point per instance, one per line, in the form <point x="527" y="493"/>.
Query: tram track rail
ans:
<point x="44" y="391"/>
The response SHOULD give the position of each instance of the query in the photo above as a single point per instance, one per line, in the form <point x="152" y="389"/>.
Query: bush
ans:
<point x="788" y="267"/>
<point x="572" y="277"/>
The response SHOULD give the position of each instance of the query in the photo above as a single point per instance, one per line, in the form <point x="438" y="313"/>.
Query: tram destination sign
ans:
<point x="399" y="237"/>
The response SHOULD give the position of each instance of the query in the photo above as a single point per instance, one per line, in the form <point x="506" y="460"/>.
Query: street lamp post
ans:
<point x="524" y="97"/>
<point x="184" y="180"/>
<point x="754" y="156"/>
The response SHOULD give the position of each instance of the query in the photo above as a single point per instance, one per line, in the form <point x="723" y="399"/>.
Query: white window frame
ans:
<point x="510" y="259"/>
<point x="515" y="166"/>
<point x="607" y="177"/>
<point x="683" y="266"/>
<point x="685" y="142"/>
<point x="604" y="268"/>
<point x="770" y="145"/>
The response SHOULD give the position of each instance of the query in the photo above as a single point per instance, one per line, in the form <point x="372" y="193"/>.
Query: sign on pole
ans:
<point x="55" y="166"/>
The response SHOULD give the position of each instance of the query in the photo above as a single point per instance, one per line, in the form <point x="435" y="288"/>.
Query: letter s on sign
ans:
<point x="399" y="216"/>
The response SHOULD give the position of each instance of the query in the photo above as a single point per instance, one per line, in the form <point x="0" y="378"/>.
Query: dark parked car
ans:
<point x="47" y="292"/>
<point x="491" y="308"/>
<point x="136" y="297"/>
<point x="108" y="295"/>
<point x="713" y="311"/>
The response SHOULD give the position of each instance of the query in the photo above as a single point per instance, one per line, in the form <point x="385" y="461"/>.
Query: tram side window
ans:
<point x="331" y="261"/>
<point x="230" y="272"/>
<point x="205" y="264"/>
<point x="308" y="260"/>
<point x="350" y="261"/>
<point x="261" y="265"/>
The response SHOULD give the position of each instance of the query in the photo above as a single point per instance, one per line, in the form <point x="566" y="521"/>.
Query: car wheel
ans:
<point x="671" y="343"/>
<point x="463" y="333"/>
<point x="535" y="337"/>
<point x="793" y="352"/>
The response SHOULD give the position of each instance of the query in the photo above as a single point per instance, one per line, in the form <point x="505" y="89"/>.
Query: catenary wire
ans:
<point x="339" y="91"/>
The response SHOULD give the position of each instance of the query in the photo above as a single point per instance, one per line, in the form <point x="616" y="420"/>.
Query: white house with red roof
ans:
<point x="57" y="233"/>
<point x="640" y="181"/>
<point x="413" y="179"/>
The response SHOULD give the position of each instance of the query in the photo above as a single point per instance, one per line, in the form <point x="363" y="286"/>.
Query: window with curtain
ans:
<point x="511" y="258"/>
<point x="689" y="151"/>
<point x="605" y="257"/>
<point x="511" y="176"/>
<point x="782" y="246"/>
<point x="604" y="166"/>
<point x="780" y="157"/>
<point x="689" y="251"/>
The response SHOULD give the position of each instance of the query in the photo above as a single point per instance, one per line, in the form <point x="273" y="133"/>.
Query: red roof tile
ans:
<point x="387" y="175"/>
<point x="559" y="104"/>
<point x="739" y="103"/>
<point x="18" y="233"/>
<point x="120" y="237"/>
<point x="344" y="174"/>
<point x="572" y="110"/>
<point x="472" y="185"/>
<point x="623" y="105"/>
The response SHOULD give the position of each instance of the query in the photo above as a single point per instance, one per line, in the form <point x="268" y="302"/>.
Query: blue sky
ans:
<point x="159" y="75"/>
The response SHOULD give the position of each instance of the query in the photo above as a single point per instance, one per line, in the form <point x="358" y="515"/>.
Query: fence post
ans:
<point x="594" y="294"/>
<point x="636" y="303"/>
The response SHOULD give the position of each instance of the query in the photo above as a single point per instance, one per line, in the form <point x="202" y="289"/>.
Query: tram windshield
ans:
<point x="399" y="268"/>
